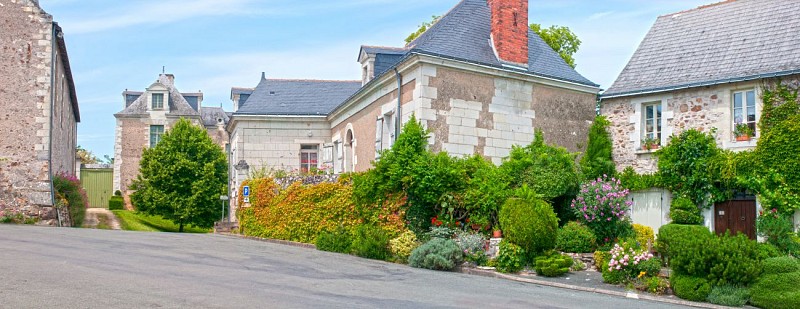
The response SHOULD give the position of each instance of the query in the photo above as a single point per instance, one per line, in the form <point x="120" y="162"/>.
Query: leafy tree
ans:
<point x="689" y="166"/>
<point x="182" y="178"/>
<point x="598" y="161"/>
<point x="560" y="39"/>
<point x="85" y="156"/>
<point x="422" y="28"/>
<point x="549" y="171"/>
<point x="108" y="159"/>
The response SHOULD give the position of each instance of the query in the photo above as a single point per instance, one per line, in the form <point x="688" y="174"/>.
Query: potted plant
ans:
<point x="478" y="223"/>
<point x="649" y="143"/>
<point x="743" y="132"/>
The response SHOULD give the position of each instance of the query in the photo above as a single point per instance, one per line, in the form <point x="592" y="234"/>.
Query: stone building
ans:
<point x="701" y="69"/>
<point x="148" y="114"/>
<point x="479" y="79"/>
<point x="38" y="122"/>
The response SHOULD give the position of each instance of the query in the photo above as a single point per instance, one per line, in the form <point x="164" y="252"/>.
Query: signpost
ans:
<point x="223" y="198"/>
<point x="246" y="193"/>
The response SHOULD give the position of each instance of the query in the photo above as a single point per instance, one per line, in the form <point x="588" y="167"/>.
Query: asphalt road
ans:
<point x="43" y="267"/>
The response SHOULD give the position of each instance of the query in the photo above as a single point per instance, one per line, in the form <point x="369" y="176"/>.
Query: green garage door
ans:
<point x="98" y="183"/>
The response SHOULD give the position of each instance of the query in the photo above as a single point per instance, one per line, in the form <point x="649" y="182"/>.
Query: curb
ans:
<point x="274" y="241"/>
<point x="492" y="274"/>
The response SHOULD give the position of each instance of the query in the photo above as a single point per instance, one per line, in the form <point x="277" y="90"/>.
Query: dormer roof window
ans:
<point x="157" y="101"/>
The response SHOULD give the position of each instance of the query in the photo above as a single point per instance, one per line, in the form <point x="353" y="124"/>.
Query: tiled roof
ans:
<point x="297" y="97"/>
<point x="211" y="116"/>
<point x="463" y="34"/>
<point x="724" y="42"/>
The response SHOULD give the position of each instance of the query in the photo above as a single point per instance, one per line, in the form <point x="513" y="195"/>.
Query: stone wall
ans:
<point x="701" y="108"/>
<point x="26" y="51"/>
<point x="65" y="126"/>
<point x="476" y="113"/>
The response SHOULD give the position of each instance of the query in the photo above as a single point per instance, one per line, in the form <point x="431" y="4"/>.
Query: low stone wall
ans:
<point x="586" y="258"/>
<point x="285" y="182"/>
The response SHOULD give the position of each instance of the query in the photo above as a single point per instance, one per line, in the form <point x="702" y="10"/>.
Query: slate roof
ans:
<point x="210" y="115"/>
<point x="463" y="34"/>
<point x="730" y="41"/>
<point x="178" y="105"/>
<point x="297" y="97"/>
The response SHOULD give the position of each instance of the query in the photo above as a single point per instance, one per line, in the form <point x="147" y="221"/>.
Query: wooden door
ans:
<point x="98" y="184"/>
<point x="736" y="216"/>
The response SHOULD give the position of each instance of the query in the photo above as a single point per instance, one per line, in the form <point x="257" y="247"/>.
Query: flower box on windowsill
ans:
<point x="743" y="138"/>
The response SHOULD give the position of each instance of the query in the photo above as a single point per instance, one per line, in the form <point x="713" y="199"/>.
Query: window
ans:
<point x="158" y="101"/>
<point x="652" y="122"/>
<point x="378" y="137"/>
<point x="744" y="108"/>
<point x="155" y="135"/>
<point x="308" y="158"/>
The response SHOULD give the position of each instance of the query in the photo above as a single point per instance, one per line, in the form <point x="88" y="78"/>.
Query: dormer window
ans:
<point x="157" y="101"/>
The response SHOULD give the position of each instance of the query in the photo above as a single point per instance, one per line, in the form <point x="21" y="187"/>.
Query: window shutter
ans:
<point x="327" y="154"/>
<point x="378" y="137"/>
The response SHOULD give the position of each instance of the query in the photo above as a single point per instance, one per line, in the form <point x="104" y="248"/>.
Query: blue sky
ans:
<point x="212" y="45"/>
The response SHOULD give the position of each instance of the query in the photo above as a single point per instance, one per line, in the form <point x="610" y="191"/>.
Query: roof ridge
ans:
<point x="414" y="42"/>
<point x="705" y="6"/>
<point x="311" y="80"/>
<point x="387" y="47"/>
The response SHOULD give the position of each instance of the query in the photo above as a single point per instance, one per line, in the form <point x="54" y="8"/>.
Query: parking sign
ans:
<point x="246" y="191"/>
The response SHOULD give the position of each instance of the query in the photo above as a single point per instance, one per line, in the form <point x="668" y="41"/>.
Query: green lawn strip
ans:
<point x="135" y="221"/>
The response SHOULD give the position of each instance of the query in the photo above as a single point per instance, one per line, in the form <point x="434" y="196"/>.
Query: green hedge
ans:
<point x="683" y="211"/>
<point x="530" y="224"/>
<point x="370" y="242"/>
<point x="776" y="291"/>
<point x="690" y="288"/>
<point x="672" y="237"/>
<point x="116" y="203"/>
<point x="576" y="238"/>
<point x="338" y="240"/>
<point x="780" y="265"/>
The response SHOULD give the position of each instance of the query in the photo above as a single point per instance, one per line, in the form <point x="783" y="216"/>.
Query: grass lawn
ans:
<point x="134" y="221"/>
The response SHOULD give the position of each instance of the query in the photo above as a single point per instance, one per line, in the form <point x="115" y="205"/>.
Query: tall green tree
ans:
<point x="422" y="28"/>
<point x="598" y="161"/>
<point x="560" y="39"/>
<point x="182" y="178"/>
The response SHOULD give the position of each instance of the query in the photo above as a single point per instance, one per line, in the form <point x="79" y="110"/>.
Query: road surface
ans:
<point x="44" y="267"/>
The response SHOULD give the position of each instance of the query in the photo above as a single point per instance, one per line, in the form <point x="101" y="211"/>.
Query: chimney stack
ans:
<point x="510" y="30"/>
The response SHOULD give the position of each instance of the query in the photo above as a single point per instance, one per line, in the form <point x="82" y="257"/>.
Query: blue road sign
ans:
<point x="246" y="191"/>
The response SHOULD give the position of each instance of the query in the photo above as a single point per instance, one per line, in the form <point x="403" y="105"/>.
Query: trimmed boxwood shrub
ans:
<point x="780" y="265"/>
<point x="575" y="238"/>
<point x="727" y="259"/>
<point x="437" y="254"/>
<point x="684" y="211"/>
<point x="676" y="235"/>
<point x="530" y="224"/>
<point x="690" y="288"/>
<point x="116" y="203"/>
<point x="370" y="241"/>
<point x="776" y="291"/>
<point x="553" y="265"/>
<point x="338" y="240"/>
<point x="728" y="295"/>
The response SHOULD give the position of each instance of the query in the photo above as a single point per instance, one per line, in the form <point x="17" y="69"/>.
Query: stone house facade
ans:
<point x="478" y="79"/>
<point x="147" y="115"/>
<point x="38" y="122"/>
<point x="700" y="69"/>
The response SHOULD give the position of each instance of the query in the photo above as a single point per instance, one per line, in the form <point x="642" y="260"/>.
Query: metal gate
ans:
<point x="99" y="184"/>
<point x="650" y="207"/>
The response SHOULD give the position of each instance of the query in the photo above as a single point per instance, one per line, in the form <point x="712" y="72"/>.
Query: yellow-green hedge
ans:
<point x="300" y="212"/>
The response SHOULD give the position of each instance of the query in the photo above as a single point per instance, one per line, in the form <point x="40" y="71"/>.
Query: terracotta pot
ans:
<point x="497" y="234"/>
<point x="476" y="227"/>
<point x="743" y="138"/>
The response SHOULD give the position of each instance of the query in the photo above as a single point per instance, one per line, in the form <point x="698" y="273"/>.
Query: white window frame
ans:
<point x="378" y="137"/>
<point x="155" y="137"/>
<point x="153" y="101"/>
<point x="744" y="108"/>
<point x="657" y="120"/>
<point x="637" y="120"/>
<point x="308" y="151"/>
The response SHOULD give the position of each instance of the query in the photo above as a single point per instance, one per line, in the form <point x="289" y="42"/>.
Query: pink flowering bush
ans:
<point x="69" y="188"/>
<point x="627" y="262"/>
<point x="601" y="205"/>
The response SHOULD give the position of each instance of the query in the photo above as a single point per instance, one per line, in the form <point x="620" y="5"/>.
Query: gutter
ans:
<point x="53" y="33"/>
<point x="699" y="84"/>
<point x="398" y="116"/>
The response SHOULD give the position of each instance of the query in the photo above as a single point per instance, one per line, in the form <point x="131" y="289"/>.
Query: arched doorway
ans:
<point x="349" y="151"/>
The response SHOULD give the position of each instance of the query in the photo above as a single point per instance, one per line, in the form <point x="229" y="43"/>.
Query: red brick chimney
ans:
<point x="510" y="30"/>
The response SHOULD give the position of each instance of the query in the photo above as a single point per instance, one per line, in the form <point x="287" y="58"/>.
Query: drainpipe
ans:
<point x="52" y="108"/>
<point x="398" y="117"/>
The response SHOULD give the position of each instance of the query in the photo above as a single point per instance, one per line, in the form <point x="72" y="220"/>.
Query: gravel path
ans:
<point x="92" y="218"/>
